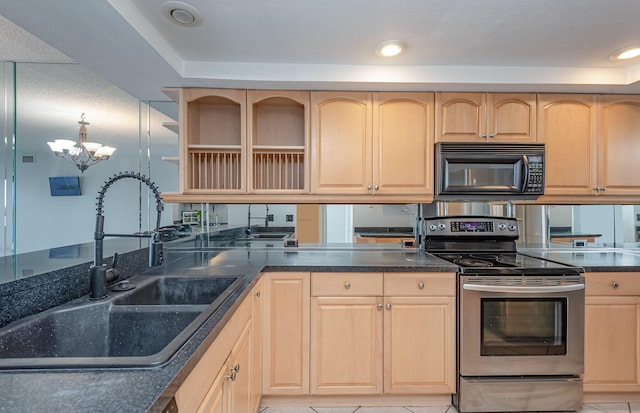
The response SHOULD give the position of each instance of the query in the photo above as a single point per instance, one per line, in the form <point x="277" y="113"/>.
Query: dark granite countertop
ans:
<point x="592" y="260"/>
<point x="149" y="389"/>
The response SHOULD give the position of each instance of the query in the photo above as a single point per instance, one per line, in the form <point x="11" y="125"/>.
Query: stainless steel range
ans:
<point x="520" y="319"/>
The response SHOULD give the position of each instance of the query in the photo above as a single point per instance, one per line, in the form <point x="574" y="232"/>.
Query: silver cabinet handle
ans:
<point x="379" y="306"/>
<point x="484" y="136"/>
<point x="376" y="187"/>
<point x="493" y="135"/>
<point x="369" y="187"/>
<point x="615" y="284"/>
<point x="604" y="188"/>
<point x="347" y="285"/>
<point x="233" y="372"/>
<point x="421" y="285"/>
<point x="522" y="290"/>
<point x="388" y="306"/>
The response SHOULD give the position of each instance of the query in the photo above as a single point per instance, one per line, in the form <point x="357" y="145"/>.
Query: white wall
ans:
<point x="598" y="219"/>
<point x="338" y="226"/>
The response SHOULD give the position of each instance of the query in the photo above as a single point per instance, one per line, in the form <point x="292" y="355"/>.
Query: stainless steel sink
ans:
<point x="143" y="327"/>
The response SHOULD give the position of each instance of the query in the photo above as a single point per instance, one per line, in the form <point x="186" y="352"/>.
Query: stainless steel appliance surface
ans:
<point x="520" y="319"/>
<point x="491" y="171"/>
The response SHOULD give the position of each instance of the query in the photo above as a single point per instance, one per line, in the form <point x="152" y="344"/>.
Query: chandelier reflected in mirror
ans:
<point x="82" y="154"/>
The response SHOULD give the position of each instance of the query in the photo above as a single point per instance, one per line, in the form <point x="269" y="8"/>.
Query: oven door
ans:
<point x="521" y="325"/>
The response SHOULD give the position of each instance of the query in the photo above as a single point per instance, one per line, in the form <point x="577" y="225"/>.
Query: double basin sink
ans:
<point x="142" y="327"/>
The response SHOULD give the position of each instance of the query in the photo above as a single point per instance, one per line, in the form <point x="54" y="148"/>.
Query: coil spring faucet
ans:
<point x="99" y="275"/>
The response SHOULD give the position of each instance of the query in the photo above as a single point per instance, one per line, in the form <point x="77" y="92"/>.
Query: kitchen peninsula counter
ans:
<point x="150" y="389"/>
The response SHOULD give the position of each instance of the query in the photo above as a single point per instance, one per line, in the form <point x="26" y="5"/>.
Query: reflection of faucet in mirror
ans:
<point x="99" y="275"/>
<point x="249" y="218"/>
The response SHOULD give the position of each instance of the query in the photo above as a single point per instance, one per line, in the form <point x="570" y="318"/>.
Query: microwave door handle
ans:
<point x="525" y="178"/>
<point x="522" y="290"/>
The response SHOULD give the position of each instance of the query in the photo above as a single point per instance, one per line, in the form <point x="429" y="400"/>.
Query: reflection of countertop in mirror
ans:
<point x="39" y="262"/>
<point x="383" y="232"/>
<point x="599" y="260"/>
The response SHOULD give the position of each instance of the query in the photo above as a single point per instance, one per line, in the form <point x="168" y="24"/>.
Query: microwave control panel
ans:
<point x="535" y="181"/>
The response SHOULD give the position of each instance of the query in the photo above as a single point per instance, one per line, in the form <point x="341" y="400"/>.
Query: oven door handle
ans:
<point x="522" y="290"/>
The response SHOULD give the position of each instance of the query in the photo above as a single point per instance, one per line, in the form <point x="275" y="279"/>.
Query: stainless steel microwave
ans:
<point x="489" y="171"/>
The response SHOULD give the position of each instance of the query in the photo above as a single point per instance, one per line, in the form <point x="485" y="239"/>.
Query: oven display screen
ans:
<point x="471" y="226"/>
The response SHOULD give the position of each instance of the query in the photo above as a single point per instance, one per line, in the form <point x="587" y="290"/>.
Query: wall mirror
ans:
<point x="49" y="100"/>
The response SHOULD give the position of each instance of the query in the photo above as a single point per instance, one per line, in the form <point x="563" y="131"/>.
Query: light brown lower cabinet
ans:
<point x="612" y="333"/>
<point x="230" y="390"/>
<point x="257" y="326"/>
<point x="285" y="341"/>
<point x="221" y="381"/>
<point x="375" y="333"/>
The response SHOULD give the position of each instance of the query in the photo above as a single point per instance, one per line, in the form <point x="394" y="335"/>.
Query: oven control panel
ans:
<point x="471" y="226"/>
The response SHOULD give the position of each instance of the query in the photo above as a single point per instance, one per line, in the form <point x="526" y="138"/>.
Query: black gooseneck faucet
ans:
<point x="99" y="275"/>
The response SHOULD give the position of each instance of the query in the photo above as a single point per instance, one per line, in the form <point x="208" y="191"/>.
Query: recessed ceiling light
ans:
<point x="390" y="48"/>
<point x="181" y="13"/>
<point x="182" y="16"/>
<point x="626" y="53"/>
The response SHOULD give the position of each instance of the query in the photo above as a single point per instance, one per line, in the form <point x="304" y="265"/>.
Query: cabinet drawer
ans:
<point x="419" y="284"/>
<point x="346" y="284"/>
<point x="612" y="283"/>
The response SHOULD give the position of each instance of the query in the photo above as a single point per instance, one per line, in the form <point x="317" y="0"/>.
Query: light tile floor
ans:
<point x="587" y="408"/>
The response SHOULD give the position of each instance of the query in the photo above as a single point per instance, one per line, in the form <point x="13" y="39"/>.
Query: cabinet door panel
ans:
<point x="256" y="346"/>
<point x="403" y="143"/>
<point x="620" y="145"/>
<point x="419" y="345"/>
<point x="460" y="117"/>
<point x="241" y="361"/>
<point x="566" y="124"/>
<point x="346" y="345"/>
<point x="286" y="333"/>
<point x="214" y="401"/>
<point x="511" y="117"/>
<point x="341" y="143"/>
<point x="611" y="344"/>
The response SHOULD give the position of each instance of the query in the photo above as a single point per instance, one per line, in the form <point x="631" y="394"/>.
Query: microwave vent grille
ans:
<point x="494" y="148"/>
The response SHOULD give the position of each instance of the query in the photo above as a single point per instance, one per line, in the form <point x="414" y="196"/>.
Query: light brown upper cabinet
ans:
<point x="213" y="141"/>
<point x="619" y="150"/>
<point x="278" y="136"/>
<point x="567" y="126"/>
<point x="488" y="117"/>
<point x="591" y="142"/>
<point x="366" y="143"/>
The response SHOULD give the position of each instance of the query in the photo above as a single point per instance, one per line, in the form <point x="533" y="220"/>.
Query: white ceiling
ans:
<point x="494" y="45"/>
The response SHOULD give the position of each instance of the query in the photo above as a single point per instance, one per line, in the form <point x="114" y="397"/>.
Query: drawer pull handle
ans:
<point x="388" y="306"/>
<point x="379" y="306"/>
<point x="421" y="285"/>
<point x="347" y="285"/>
<point x="615" y="284"/>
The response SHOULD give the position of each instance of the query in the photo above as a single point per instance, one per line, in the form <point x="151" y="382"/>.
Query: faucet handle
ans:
<point x="113" y="273"/>
<point x="114" y="262"/>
